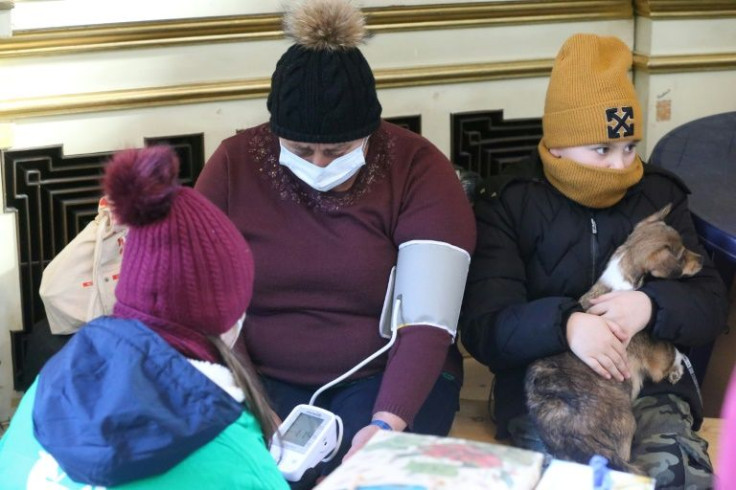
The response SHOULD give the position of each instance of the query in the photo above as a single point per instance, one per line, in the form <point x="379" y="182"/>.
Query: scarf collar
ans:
<point x="593" y="187"/>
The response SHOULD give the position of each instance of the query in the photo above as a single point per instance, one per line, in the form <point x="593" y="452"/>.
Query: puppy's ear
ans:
<point x="658" y="216"/>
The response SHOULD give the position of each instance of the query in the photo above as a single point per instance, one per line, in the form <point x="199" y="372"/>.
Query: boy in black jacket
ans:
<point x="544" y="238"/>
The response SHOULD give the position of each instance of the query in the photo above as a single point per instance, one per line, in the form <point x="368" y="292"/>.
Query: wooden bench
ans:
<point x="473" y="422"/>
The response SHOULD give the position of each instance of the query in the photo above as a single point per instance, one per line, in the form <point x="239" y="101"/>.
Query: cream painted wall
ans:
<point x="692" y="95"/>
<point x="9" y="305"/>
<point x="5" y="29"/>
<point x="685" y="36"/>
<point x="9" y="280"/>
<point x="138" y="68"/>
<point x="35" y="14"/>
<point x="5" y="7"/>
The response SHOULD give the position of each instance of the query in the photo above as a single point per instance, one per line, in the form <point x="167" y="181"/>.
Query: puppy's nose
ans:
<point x="693" y="264"/>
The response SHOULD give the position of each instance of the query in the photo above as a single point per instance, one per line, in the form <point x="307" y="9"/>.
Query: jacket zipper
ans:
<point x="593" y="249"/>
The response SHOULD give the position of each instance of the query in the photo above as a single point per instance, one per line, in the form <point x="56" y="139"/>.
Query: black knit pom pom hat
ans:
<point x="323" y="90"/>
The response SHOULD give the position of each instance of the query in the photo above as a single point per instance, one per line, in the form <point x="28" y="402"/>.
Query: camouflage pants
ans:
<point x="664" y="443"/>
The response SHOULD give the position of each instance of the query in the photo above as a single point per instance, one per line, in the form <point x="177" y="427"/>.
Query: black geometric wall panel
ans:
<point x="55" y="196"/>
<point x="412" y="123"/>
<point x="485" y="143"/>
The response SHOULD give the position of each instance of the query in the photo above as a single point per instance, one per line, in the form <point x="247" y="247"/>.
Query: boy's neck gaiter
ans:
<point x="594" y="187"/>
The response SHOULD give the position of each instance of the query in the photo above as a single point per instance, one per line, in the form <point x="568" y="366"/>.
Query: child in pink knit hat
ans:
<point x="187" y="273"/>
<point x="153" y="394"/>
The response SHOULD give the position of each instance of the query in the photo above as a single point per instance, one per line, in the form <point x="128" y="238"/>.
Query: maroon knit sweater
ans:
<point x="322" y="259"/>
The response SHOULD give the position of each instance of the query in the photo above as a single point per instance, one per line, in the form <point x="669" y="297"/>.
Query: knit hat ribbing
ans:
<point x="323" y="90"/>
<point x="187" y="272"/>
<point x="590" y="98"/>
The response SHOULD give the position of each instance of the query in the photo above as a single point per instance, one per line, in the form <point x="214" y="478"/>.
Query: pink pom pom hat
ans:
<point x="187" y="272"/>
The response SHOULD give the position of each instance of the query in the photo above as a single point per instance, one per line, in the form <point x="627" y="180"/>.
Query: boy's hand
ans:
<point x="631" y="310"/>
<point x="598" y="342"/>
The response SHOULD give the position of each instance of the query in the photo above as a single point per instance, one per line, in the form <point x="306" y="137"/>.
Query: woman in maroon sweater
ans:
<point x="325" y="194"/>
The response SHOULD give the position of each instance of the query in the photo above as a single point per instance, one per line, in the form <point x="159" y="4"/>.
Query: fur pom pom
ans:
<point x="141" y="184"/>
<point x="325" y="24"/>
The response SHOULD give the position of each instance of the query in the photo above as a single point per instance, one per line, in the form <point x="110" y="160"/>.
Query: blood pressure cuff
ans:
<point x="425" y="287"/>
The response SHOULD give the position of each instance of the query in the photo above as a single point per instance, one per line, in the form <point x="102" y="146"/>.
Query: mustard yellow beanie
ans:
<point x="590" y="98"/>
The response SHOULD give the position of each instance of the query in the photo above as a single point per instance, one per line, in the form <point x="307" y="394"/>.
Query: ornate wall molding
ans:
<point x="685" y="9"/>
<point x="685" y="63"/>
<point x="257" y="88"/>
<point x="268" y="26"/>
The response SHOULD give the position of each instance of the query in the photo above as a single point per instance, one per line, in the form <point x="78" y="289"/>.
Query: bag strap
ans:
<point x="104" y="227"/>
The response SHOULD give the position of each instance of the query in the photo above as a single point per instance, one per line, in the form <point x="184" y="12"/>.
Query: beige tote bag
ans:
<point x="78" y="285"/>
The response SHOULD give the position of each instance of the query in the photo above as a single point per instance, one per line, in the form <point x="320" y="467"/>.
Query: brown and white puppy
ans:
<point x="578" y="413"/>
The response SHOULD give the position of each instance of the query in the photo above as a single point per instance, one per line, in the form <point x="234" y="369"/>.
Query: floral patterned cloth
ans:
<point x="399" y="460"/>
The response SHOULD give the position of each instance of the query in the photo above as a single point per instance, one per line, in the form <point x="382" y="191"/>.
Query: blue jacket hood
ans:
<point x="118" y="404"/>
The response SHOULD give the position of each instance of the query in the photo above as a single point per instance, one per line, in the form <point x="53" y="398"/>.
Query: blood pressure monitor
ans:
<point x="308" y="435"/>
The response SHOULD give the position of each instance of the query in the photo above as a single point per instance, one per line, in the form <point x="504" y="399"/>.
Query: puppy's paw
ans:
<point x="675" y="374"/>
<point x="677" y="369"/>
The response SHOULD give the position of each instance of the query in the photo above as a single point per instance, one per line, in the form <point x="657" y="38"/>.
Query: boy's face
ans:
<point x="604" y="155"/>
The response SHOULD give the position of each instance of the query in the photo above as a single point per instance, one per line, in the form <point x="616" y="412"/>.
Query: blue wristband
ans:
<point x="380" y="423"/>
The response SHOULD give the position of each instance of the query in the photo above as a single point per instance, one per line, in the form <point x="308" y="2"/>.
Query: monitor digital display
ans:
<point x="302" y="429"/>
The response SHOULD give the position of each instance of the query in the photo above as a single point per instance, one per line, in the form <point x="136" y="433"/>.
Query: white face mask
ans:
<point x="232" y="335"/>
<point x="323" y="179"/>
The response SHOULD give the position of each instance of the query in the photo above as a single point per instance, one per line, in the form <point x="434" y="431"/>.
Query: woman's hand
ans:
<point x="360" y="439"/>
<point x="599" y="343"/>
<point x="364" y="434"/>
<point x="631" y="310"/>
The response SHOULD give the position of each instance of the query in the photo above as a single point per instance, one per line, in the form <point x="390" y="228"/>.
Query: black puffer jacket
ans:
<point x="538" y="251"/>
